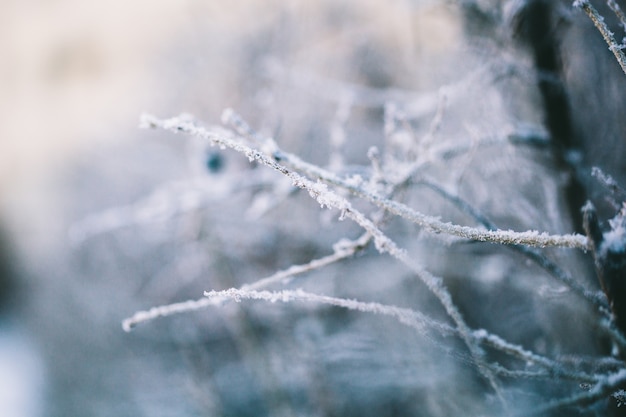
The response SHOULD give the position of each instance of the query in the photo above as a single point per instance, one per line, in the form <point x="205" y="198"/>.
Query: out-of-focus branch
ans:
<point x="604" y="30"/>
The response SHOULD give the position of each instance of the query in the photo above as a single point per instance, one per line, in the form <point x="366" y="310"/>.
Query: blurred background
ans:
<point x="100" y="219"/>
<point x="74" y="79"/>
<point x="76" y="76"/>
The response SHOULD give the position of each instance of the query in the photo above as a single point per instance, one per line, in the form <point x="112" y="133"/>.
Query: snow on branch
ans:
<point x="606" y="386"/>
<point x="273" y="157"/>
<point x="342" y="250"/>
<point x="407" y="316"/>
<point x="534" y="254"/>
<point x="610" y="184"/>
<point x="324" y="186"/>
<point x="433" y="224"/>
<point x="414" y="319"/>
<point x="618" y="12"/>
<point x="609" y="38"/>
<point x="166" y="310"/>
<point x="328" y="198"/>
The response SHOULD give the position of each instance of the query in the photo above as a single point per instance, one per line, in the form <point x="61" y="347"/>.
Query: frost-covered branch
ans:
<point x="433" y="224"/>
<point x="322" y="184"/>
<point x="610" y="184"/>
<point x="609" y="38"/>
<point x="327" y="198"/>
<point x="342" y="250"/>
<point x="602" y="389"/>
<point x="594" y="297"/>
<point x="553" y="368"/>
<point x="166" y="310"/>
<point x="409" y="317"/>
<point x="618" y="12"/>
<point x="417" y="321"/>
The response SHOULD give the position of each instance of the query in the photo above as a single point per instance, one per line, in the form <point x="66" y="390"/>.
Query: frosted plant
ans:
<point x="598" y="21"/>
<point x="438" y="239"/>
<point x="328" y="190"/>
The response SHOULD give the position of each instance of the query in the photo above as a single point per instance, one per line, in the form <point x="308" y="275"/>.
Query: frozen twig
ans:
<point x="618" y="12"/>
<point x="342" y="250"/>
<point x="608" y="182"/>
<point x="433" y="224"/>
<point x="327" y="198"/>
<point x="412" y="318"/>
<point x="602" y="389"/>
<point x="166" y="310"/>
<point x="302" y="175"/>
<point x="553" y="368"/>
<point x="594" y="297"/>
<point x="604" y="30"/>
<point x="609" y="254"/>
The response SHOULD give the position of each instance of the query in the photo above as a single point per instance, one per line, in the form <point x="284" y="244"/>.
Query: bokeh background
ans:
<point x="101" y="219"/>
<point x="75" y="77"/>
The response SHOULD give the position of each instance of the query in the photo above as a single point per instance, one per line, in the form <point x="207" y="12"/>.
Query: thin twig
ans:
<point x="342" y="250"/>
<point x="604" y="30"/>
<point x="188" y="306"/>
<point x="595" y="297"/>
<point x="433" y="224"/>
<point x="553" y="368"/>
<point x="327" y="198"/>
<point x="419" y="322"/>
<point x="618" y="12"/>
<point x="608" y="182"/>
<point x="407" y="316"/>
<point x="602" y="389"/>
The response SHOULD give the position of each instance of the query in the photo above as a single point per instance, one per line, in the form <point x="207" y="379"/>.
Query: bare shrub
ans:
<point x="448" y="269"/>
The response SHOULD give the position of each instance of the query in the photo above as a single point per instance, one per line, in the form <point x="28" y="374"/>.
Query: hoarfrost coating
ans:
<point x="456" y="140"/>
